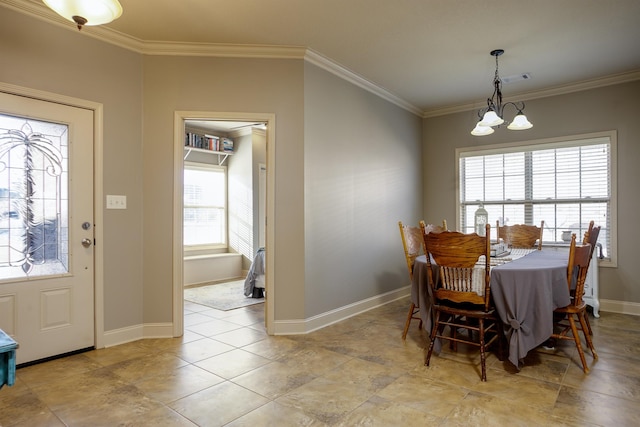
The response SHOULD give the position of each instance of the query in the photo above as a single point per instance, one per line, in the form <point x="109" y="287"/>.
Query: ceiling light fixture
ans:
<point x="492" y="115"/>
<point x="86" y="12"/>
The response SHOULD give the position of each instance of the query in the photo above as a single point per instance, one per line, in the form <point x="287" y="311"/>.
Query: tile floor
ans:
<point x="227" y="371"/>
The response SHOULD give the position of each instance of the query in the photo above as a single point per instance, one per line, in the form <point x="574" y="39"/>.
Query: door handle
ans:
<point x="86" y="242"/>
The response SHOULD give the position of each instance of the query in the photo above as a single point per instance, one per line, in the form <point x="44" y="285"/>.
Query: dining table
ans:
<point x="526" y="287"/>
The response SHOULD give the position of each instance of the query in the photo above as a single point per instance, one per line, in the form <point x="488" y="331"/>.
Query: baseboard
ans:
<point x="212" y="256"/>
<point x="284" y="327"/>
<point x="122" y="335"/>
<point x="622" y="307"/>
<point x="137" y="332"/>
<point x="214" y="282"/>
<point x="158" y="330"/>
<point x="304" y="326"/>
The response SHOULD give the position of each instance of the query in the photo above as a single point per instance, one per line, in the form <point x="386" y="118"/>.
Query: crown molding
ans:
<point x="103" y="33"/>
<point x="543" y="93"/>
<point x="326" y="64"/>
<point x="223" y="50"/>
<point x="39" y="11"/>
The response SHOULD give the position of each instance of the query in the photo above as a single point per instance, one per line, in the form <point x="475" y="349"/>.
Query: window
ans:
<point x="205" y="205"/>
<point x="565" y="182"/>
<point x="33" y="197"/>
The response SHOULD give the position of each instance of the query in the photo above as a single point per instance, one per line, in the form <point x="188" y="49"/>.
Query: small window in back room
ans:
<point x="205" y="205"/>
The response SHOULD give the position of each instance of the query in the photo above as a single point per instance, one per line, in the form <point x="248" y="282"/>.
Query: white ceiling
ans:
<point x="432" y="54"/>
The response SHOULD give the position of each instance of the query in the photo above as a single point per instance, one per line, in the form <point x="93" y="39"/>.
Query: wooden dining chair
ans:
<point x="579" y="259"/>
<point x="521" y="236"/>
<point x="413" y="245"/>
<point x="460" y="290"/>
<point x="591" y="237"/>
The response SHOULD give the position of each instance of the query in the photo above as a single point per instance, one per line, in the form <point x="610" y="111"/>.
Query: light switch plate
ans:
<point x="116" y="202"/>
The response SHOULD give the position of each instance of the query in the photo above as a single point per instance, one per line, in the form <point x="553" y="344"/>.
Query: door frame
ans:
<point x="98" y="178"/>
<point x="178" y="198"/>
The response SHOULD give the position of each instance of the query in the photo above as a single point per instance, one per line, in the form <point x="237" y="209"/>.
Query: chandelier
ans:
<point x="86" y="12"/>
<point x="492" y="115"/>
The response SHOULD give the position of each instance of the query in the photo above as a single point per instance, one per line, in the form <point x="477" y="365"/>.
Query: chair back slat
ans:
<point x="412" y="244"/>
<point x="577" y="268"/>
<point x="591" y="236"/>
<point x="463" y="266"/>
<point x="521" y="235"/>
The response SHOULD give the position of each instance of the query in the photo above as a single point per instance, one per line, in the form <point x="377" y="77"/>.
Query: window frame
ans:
<point x="207" y="248"/>
<point x="550" y="143"/>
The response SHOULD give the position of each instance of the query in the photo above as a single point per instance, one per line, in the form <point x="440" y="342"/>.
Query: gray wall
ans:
<point x="362" y="165"/>
<point x="603" y="109"/>
<point x="45" y="57"/>
<point x="222" y="85"/>
<point x="362" y="174"/>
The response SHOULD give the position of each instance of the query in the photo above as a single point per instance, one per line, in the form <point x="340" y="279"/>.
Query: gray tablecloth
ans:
<point x="525" y="293"/>
<point x="420" y="291"/>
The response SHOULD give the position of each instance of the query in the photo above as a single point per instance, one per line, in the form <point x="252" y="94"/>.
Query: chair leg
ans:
<point x="483" y="356"/>
<point x="576" y="338"/>
<point x="587" y="336"/>
<point x="412" y="309"/>
<point x="586" y="319"/>
<point x="434" y="333"/>
<point x="453" y="333"/>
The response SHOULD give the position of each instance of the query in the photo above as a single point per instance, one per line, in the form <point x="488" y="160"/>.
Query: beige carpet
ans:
<point x="221" y="296"/>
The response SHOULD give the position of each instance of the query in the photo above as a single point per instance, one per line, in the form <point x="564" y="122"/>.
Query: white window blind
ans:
<point x="205" y="196"/>
<point x="565" y="183"/>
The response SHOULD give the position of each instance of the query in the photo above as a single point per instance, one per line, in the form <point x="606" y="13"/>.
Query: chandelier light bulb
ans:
<point x="520" y="122"/>
<point x="490" y="118"/>
<point x="481" y="130"/>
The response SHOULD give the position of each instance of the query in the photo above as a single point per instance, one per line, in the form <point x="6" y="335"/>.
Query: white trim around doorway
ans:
<point x="178" y="274"/>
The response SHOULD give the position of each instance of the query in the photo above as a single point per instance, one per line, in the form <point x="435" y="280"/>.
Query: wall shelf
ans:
<point x="222" y="155"/>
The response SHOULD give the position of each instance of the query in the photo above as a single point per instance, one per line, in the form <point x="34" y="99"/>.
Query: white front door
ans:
<point x="46" y="226"/>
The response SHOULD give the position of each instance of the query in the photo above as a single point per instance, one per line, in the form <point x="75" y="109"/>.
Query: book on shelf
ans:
<point x="214" y="142"/>
<point x="208" y="142"/>
<point x="227" y="144"/>
<point x="203" y="142"/>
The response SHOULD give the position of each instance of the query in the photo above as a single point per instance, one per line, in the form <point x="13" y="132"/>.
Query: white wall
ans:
<point x="259" y="145"/>
<point x="240" y="198"/>
<point x="201" y="269"/>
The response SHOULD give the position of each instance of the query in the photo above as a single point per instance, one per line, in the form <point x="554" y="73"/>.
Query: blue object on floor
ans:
<point x="7" y="359"/>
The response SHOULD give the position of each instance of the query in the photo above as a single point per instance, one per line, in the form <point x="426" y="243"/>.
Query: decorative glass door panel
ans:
<point x="33" y="198"/>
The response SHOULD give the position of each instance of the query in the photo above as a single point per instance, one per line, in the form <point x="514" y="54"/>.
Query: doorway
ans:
<point x="223" y="122"/>
<point x="47" y="257"/>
